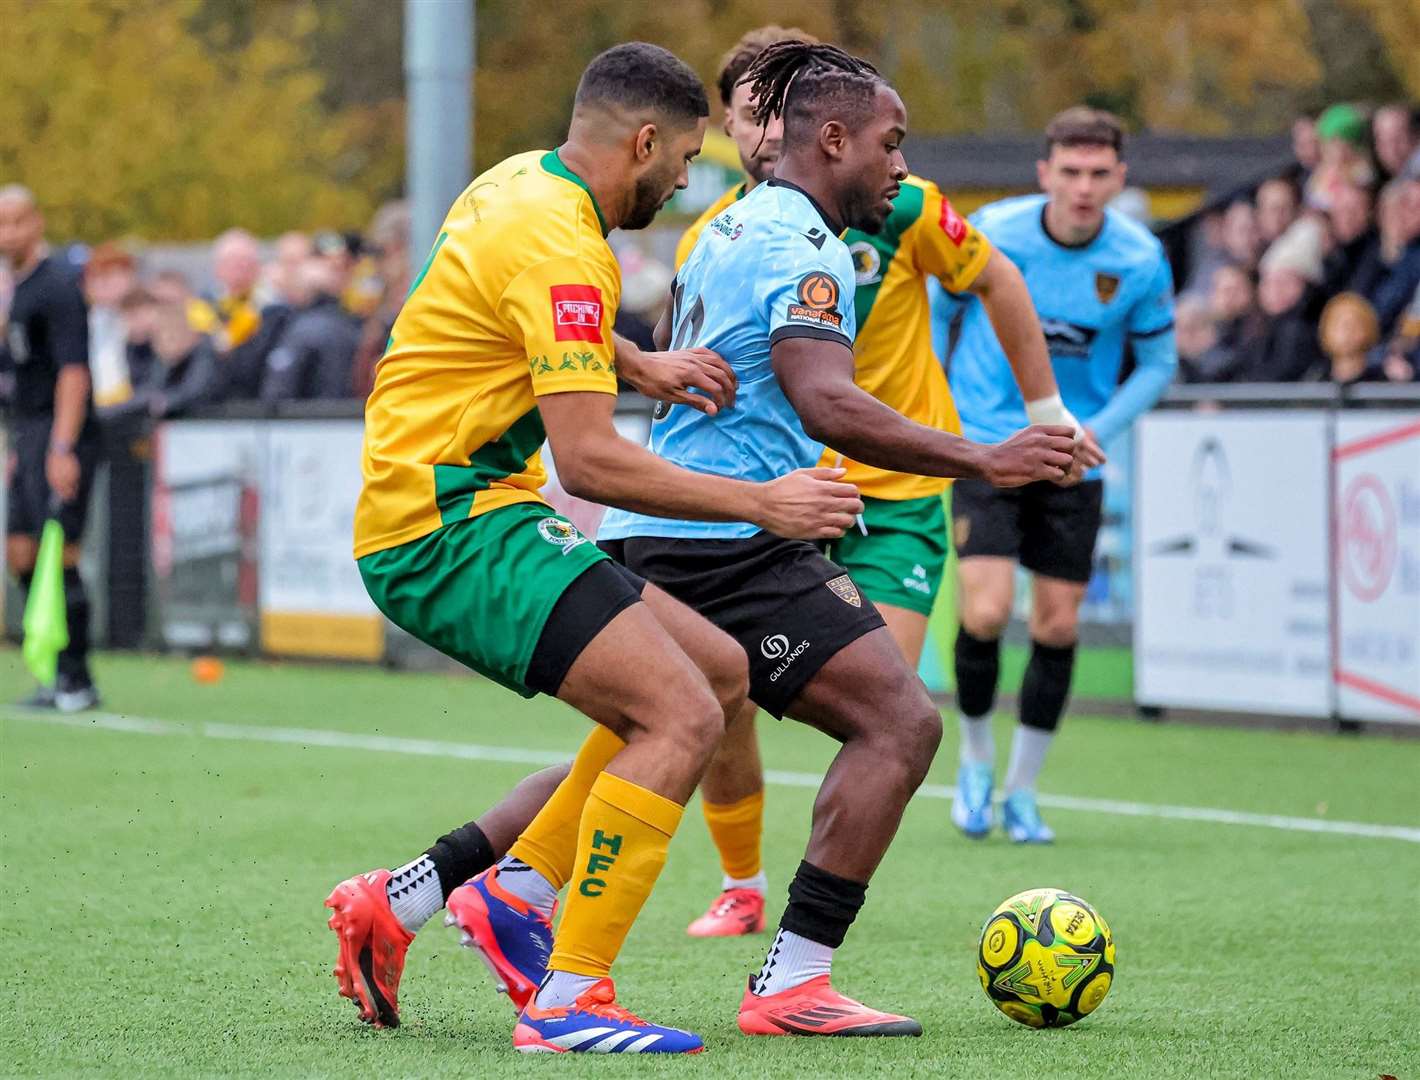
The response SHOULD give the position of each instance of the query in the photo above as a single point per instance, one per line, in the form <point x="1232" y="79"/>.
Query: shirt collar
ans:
<point x="552" y="162"/>
<point x="832" y="225"/>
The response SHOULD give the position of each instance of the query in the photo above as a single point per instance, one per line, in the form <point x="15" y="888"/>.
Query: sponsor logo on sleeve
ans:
<point x="818" y="290"/>
<point x="952" y="224"/>
<point x="577" y="313"/>
<point x="818" y="302"/>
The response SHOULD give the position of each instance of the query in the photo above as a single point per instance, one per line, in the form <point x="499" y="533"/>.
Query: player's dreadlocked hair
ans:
<point x="746" y="51"/>
<point x="800" y="80"/>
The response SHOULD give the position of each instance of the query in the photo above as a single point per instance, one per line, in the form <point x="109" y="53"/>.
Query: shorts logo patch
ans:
<point x="559" y="533"/>
<point x="845" y="590"/>
<point x="818" y="290"/>
<point x="918" y="581"/>
<point x="774" y="646"/>
<point x="952" y="224"/>
<point x="577" y="313"/>
<point x="961" y="531"/>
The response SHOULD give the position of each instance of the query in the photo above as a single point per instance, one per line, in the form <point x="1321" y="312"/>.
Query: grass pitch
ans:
<point x="162" y="911"/>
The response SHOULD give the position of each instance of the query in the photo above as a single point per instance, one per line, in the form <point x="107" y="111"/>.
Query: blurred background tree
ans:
<point x="177" y="118"/>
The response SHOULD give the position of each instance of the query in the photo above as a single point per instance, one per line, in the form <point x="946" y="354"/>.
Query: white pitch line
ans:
<point x="387" y="744"/>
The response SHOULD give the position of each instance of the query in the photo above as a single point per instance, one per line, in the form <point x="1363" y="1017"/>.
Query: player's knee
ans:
<point x="906" y="747"/>
<point x="985" y="617"/>
<point x="703" y="725"/>
<point x="727" y="670"/>
<point x="1059" y="627"/>
<point x="924" y="735"/>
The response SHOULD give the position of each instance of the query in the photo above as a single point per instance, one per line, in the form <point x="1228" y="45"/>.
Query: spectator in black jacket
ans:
<point x="184" y="376"/>
<point x="1232" y="303"/>
<point x="1288" y="350"/>
<point x="316" y="352"/>
<point x="1355" y="242"/>
<point x="244" y="368"/>
<point x="1392" y="295"/>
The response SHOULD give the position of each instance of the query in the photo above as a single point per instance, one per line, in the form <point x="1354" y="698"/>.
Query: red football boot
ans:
<point x="733" y="912"/>
<point x="816" y="1008"/>
<point x="372" y="946"/>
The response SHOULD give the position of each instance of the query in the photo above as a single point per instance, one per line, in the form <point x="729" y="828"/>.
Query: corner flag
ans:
<point x="46" y="627"/>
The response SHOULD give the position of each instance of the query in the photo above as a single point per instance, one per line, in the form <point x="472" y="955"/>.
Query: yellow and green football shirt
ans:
<point x="893" y="357"/>
<point x="516" y="300"/>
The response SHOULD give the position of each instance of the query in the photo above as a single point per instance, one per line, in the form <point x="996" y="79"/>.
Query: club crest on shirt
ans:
<point x="1106" y="285"/>
<point x="845" y="590"/>
<point x="867" y="263"/>
<point x="560" y="533"/>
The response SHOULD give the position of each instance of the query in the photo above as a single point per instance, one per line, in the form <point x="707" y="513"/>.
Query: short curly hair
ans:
<point x="638" y="75"/>
<point x="745" y="52"/>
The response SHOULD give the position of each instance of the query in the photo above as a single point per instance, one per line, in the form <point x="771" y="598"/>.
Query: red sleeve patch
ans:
<point x="952" y="224"/>
<point x="577" y="313"/>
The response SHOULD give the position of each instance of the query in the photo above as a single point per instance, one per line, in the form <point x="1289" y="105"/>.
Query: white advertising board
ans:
<point x="1376" y="497"/>
<point x="312" y="599"/>
<point x="1232" y="590"/>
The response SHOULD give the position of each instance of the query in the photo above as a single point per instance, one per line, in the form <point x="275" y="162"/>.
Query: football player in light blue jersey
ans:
<point x="769" y="287"/>
<point x="767" y="269"/>
<point x="1101" y="283"/>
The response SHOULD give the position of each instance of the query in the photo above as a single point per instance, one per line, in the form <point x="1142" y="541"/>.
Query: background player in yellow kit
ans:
<point x="897" y="551"/>
<point x="506" y="340"/>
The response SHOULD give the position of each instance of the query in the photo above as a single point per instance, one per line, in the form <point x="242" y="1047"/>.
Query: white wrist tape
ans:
<point x="1052" y="410"/>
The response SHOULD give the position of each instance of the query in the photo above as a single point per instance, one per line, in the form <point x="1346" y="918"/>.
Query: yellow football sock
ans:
<point x="621" y="848"/>
<point x="736" y="829"/>
<point x="549" y="843"/>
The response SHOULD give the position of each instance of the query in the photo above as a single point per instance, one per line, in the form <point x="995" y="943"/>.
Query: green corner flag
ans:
<point x="46" y="628"/>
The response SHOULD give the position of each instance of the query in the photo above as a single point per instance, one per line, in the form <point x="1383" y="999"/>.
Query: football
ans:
<point x="1046" y="958"/>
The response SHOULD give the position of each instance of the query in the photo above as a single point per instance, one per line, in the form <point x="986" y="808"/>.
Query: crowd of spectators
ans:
<point x="305" y="317"/>
<point x="1314" y="275"/>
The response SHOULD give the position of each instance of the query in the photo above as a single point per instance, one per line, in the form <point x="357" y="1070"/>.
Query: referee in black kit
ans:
<point x="54" y="444"/>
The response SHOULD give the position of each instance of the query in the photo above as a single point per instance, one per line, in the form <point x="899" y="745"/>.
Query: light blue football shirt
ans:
<point x="1092" y="301"/>
<point x="768" y="267"/>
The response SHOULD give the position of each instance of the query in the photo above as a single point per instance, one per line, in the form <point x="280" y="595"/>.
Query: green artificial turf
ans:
<point x="162" y="910"/>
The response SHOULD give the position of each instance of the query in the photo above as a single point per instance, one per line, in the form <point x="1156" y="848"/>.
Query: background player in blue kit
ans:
<point x="1101" y="283"/>
<point x="769" y="287"/>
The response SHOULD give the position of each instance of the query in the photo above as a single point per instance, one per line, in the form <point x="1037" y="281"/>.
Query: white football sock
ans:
<point x="561" y="988"/>
<point x="414" y="893"/>
<point x="524" y="882"/>
<point x="759" y="883"/>
<point x="1028" y="749"/>
<point x="792" y="961"/>
<point x="978" y="746"/>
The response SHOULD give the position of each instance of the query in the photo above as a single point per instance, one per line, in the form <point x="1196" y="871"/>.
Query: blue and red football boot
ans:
<point x="512" y="937"/>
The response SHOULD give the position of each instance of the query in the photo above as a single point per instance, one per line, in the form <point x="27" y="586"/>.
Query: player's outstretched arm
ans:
<point x="596" y="463"/>
<point x="817" y="378"/>
<point x="1004" y="294"/>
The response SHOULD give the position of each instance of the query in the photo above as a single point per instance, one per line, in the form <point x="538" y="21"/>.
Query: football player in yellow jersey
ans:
<point x="898" y="549"/>
<point x="505" y="340"/>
